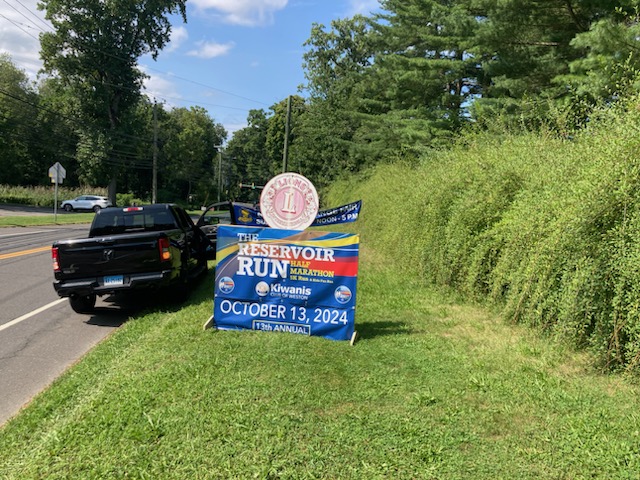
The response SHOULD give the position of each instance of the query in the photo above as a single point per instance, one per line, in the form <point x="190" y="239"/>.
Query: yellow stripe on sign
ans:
<point x="24" y="252"/>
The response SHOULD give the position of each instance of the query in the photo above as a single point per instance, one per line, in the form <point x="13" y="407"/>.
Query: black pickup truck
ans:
<point x="151" y="246"/>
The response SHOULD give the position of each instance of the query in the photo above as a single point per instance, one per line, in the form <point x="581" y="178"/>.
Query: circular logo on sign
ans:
<point x="289" y="201"/>
<point x="226" y="285"/>
<point x="342" y="294"/>
<point x="262" y="289"/>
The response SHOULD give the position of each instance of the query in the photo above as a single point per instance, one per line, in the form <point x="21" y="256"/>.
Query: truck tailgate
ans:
<point x="110" y="255"/>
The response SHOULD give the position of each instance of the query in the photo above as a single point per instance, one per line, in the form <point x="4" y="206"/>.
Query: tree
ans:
<point x="528" y="49"/>
<point x="335" y="65"/>
<point x="18" y="127"/>
<point x="611" y="64"/>
<point x="426" y="67"/>
<point x="95" y="48"/>
<point x="59" y="129"/>
<point x="189" y="152"/>
<point x="248" y="151"/>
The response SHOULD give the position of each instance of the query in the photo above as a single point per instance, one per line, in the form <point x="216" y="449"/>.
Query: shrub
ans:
<point x="43" y="196"/>
<point x="545" y="228"/>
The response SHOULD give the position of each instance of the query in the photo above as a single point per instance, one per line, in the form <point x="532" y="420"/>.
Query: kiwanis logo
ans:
<point x="262" y="289"/>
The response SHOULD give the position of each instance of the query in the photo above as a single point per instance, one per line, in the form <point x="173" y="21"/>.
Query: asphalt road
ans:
<point x="40" y="336"/>
<point x="19" y="210"/>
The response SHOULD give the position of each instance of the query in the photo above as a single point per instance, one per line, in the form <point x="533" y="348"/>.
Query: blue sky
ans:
<point x="231" y="55"/>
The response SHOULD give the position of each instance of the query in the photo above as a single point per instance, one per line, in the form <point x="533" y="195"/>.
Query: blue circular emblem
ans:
<point x="342" y="294"/>
<point x="226" y="285"/>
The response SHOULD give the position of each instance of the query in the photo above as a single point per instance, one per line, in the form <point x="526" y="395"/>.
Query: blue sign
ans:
<point x="286" y="281"/>
<point x="251" y="216"/>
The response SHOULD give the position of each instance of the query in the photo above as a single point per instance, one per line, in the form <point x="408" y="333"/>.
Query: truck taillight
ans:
<point x="55" y="257"/>
<point x="165" y="252"/>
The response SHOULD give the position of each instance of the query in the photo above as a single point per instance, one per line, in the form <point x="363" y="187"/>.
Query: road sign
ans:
<point x="57" y="173"/>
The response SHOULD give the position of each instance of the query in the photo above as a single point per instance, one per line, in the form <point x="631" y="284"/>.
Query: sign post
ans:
<point x="57" y="173"/>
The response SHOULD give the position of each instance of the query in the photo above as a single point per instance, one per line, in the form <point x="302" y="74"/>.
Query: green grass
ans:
<point x="433" y="389"/>
<point x="29" y="221"/>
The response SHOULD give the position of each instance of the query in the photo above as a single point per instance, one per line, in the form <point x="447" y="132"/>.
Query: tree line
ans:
<point x="41" y="126"/>
<point x="380" y="88"/>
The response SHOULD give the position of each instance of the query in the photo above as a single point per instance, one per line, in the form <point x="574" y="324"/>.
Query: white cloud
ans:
<point x="363" y="7"/>
<point x="178" y="36"/>
<point x="158" y="87"/>
<point x="20" y="25"/>
<point x="210" y="49"/>
<point x="244" y="12"/>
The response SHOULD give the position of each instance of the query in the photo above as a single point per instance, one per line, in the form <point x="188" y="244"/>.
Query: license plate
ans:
<point x="114" y="280"/>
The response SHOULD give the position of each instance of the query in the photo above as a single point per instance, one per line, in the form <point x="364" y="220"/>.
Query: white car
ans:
<point x="86" y="202"/>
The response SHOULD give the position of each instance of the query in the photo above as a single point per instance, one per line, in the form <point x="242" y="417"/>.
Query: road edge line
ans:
<point x="31" y="314"/>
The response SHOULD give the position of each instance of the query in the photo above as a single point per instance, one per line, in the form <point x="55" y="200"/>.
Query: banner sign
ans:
<point x="248" y="216"/>
<point x="251" y="217"/>
<point x="294" y="281"/>
<point x="344" y="214"/>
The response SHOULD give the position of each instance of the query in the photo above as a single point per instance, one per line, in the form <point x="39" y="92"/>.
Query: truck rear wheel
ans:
<point x="83" y="303"/>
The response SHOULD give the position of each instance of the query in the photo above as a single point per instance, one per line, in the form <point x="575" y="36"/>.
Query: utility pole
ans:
<point x="154" y="182"/>
<point x="285" y="153"/>
<point x="219" y="147"/>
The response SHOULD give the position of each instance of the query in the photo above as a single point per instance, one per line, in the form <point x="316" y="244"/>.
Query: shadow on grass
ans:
<point x="115" y="310"/>
<point x="378" y="329"/>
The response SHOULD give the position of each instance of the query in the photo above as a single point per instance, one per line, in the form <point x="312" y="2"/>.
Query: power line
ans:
<point x="32" y="13"/>
<point x="116" y="57"/>
<point x="207" y="86"/>
<point x="23" y="15"/>
<point x="18" y="25"/>
<point x="73" y="120"/>
<point x="108" y="54"/>
<point x="198" y="102"/>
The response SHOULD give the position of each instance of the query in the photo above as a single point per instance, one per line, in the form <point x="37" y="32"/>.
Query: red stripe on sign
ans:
<point x="342" y="267"/>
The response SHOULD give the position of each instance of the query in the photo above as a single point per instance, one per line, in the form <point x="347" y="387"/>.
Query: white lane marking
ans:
<point x="31" y="314"/>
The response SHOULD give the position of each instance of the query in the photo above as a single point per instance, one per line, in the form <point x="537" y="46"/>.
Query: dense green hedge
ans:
<point x="45" y="196"/>
<point x="547" y="229"/>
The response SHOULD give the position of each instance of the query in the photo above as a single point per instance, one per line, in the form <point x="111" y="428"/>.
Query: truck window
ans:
<point x="185" y="221"/>
<point x="117" y="222"/>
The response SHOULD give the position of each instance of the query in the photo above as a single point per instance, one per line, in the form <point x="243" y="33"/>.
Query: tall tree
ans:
<point x="336" y="64"/>
<point x="189" y="153"/>
<point x="60" y="128"/>
<point x="427" y="61"/>
<point x="247" y="151"/>
<point x="18" y="127"/>
<point x="611" y="63"/>
<point x="95" y="48"/>
<point x="527" y="48"/>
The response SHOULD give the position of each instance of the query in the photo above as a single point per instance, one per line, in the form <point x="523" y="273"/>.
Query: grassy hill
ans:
<point x="544" y="228"/>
